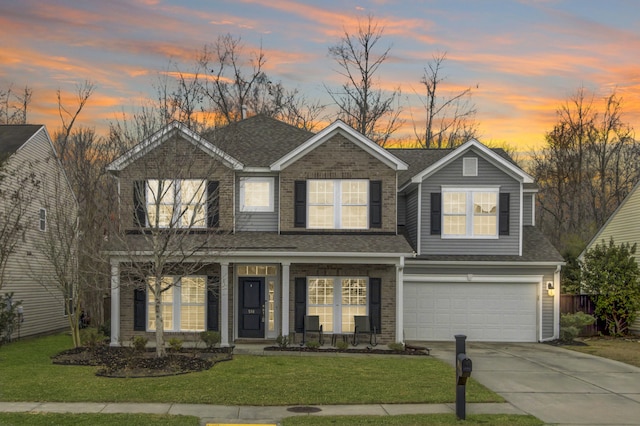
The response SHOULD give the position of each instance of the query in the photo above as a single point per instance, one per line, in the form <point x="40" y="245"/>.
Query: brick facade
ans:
<point x="386" y="273"/>
<point x="338" y="158"/>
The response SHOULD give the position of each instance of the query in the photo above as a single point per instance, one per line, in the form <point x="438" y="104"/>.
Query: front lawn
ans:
<point x="27" y="374"/>
<point x="48" y="419"/>
<point x="625" y="350"/>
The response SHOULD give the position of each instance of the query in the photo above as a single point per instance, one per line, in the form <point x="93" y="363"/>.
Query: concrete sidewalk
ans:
<point x="251" y="414"/>
<point x="559" y="386"/>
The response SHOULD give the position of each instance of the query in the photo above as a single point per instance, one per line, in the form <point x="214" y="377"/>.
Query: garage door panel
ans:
<point x="482" y="311"/>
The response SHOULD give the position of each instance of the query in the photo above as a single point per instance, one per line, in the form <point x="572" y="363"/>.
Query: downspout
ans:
<point x="556" y="303"/>
<point x="400" y="301"/>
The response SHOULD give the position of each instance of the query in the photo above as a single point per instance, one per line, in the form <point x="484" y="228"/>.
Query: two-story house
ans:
<point x="33" y="189"/>
<point x="314" y="224"/>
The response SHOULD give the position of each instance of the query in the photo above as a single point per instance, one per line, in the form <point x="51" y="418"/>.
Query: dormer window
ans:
<point x="469" y="166"/>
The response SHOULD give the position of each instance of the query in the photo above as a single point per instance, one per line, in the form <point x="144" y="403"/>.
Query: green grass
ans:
<point x="48" y="419"/>
<point x="413" y="420"/>
<point x="27" y="374"/>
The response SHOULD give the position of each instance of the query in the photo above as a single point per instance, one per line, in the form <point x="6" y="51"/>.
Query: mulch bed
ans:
<point x="126" y="362"/>
<point x="349" y="351"/>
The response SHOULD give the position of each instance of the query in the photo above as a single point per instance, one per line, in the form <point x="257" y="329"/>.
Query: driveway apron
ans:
<point x="557" y="385"/>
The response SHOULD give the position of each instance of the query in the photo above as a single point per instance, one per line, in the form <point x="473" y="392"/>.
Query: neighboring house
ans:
<point x="624" y="227"/>
<point x="315" y="224"/>
<point x="32" y="168"/>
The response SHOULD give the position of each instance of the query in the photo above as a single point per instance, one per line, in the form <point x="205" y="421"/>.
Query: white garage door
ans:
<point x="481" y="311"/>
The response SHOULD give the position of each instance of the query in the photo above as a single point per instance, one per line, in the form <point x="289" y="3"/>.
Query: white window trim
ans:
<point x="42" y="221"/>
<point x="265" y="209"/>
<point x="176" y="306"/>
<point x="337" y="298"/>
<point x="469" y="191"/>
<point x="337" y="203"/>
<point x="176" y="222"/>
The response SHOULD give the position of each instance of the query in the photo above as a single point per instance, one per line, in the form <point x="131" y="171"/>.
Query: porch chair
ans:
<point x="312" y="325"/>
<point x="363" y="325"/>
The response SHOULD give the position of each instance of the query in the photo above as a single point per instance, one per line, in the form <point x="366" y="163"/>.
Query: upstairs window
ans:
<point x="176" y="203"/>
<point x="256" y="194"/>
<point x="470" y="213"/>
<point x="338" y="204"/>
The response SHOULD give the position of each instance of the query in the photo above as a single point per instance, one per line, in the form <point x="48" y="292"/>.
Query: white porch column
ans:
<point x="115" y="303"/>
<point x="224" y="304"/>
<point x="400" y="301"/>
<point x="285" y="299"/>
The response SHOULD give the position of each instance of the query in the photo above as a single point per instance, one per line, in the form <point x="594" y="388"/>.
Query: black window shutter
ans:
<point x="436" y="213"/>
<point x="375" y="303"/>
<point x="139" y="309"/>
<point x="139" y="203"/>
<point x="375" y="204"/>
<point x="300" y="304"/>
<point x="300" y="204"/>
<point x="213" y="204"/>
<point x="503" y="219"/>
<point x="213" y="304"/>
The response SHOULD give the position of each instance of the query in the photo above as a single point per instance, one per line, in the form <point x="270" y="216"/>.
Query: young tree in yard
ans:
<point x="611" y="273"/>
<point x="448" y="120"/>
<point x="369" y="110"/>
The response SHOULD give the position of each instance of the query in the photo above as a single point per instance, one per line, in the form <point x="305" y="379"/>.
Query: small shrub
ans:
<point x="139" y="343"/>
<point x="396" y="346"/>
<point x="313" y="344"/>
<point x="175" y="344"/>
<point x="571" y="324"/>
<point x="282" y="341"/>
<point x="105" y="328"/>
<point x="91" y="337"/>
<point x="210" y="338"/>
<point x="342" y="345"/>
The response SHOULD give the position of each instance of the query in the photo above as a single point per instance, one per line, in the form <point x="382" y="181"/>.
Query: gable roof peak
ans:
<point x="164" y="134"/>
<point x="351" y="134"/>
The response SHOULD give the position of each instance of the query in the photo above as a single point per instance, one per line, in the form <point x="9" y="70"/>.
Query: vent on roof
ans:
<point x="469" y="166"/>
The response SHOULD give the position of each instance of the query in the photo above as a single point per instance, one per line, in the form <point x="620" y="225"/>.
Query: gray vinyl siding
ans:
<point x="257" y="221"/>
<point x="527" y="209"/>
<point x="488" y="176"/>
<point x="28" y="275"/>
<point x="411" y="225"/>
<point x="402" y="210"/>
<point x="547" y="273"/>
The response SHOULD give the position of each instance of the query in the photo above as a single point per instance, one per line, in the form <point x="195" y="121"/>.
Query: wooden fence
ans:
<point x="572" y="303"/>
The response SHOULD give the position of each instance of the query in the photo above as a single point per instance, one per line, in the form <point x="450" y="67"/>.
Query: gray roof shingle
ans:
<point x="258" y="141"/>
<point x="13" y="136"/>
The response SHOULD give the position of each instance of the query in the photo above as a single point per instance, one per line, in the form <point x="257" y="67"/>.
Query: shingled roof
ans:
<point x="13" y="136"/>
<point x="266" y="242"/>
<point x="258" y="141"/>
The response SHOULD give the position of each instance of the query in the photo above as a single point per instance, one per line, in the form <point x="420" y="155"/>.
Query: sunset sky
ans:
<point x="523" y="59"/>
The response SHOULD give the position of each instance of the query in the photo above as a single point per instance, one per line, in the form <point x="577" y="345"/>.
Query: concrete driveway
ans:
<point x="557" y="385"/>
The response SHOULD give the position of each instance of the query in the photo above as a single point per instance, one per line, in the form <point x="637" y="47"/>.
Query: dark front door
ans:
<point x="251" y="298"/>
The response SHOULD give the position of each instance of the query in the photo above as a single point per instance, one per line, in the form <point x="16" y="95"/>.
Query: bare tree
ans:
<point x="448" y="120"/>
<point x="174" y="189"/>
<point x="370" y="110"/>
<point x="586" y="169"/>
<point x="58" y="273"/>
<point x="14" y="106"/>
<point x="18" y="187"/>
<point x="237" y="86"/>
